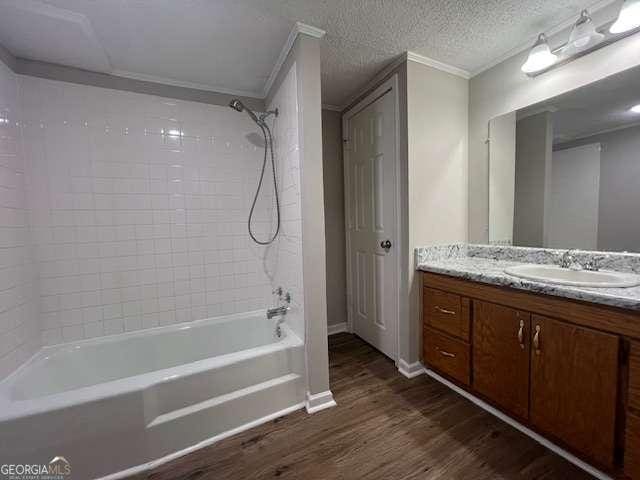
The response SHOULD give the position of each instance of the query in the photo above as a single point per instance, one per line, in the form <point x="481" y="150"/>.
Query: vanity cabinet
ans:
<point x="574" y="378"/>
<point x="449" y="356"/>
<point x="448" y="313"/>
<point x="501" y="341"/>
<point x="632" y="434"/>
<point x="561" y="367"/>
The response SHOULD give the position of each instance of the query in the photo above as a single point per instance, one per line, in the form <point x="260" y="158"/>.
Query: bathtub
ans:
<point x="117" y="405"/>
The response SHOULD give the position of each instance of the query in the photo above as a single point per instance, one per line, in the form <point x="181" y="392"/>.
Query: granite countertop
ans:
<point x="486" y="264"/>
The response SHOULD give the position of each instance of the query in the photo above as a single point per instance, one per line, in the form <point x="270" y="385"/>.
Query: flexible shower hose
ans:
<point x="268" y="145"/>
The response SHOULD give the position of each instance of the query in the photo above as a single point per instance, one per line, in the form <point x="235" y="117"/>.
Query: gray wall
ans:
<point x="618" y="225"/>
<point x="534" y="137"/>
<point x="332" y="165"/>
<point x="502" y="173"/>
<point x="305" y="54"/>
<point x="437" y="127"/>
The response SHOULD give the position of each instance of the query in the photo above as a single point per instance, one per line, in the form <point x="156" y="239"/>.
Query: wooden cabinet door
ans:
<point x="501" y="356"/>
<point x="574" y="378"/>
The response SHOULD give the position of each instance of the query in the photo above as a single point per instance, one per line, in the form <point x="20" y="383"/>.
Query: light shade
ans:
<point x="629" y="17"/>
<point x="583" y="35"/>
<point x="540" y="56"/>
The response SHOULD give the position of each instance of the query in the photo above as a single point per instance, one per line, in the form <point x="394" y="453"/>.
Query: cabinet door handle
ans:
<point x="445" y="353"/>
<point x="445" y="311"/>
<point x="536" y="340"/>
<point x="521" y="334"/>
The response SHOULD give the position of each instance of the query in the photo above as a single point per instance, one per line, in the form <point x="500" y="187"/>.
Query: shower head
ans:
<point x="239" y="106"/>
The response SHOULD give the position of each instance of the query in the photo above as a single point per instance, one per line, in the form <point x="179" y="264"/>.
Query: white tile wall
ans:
<point x="19" y="330"/>
<point x="140" y="206"/>
<point x="287" y="267"/>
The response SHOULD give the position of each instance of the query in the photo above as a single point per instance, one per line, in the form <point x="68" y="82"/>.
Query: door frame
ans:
<point x="388" y="87"/>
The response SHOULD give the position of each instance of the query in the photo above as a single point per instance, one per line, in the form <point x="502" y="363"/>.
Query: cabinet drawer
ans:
<point x="634" y="377"/>
<point x="447" y="355"/>
<point x="632" y="447"/>
<point x="447" y="312"/>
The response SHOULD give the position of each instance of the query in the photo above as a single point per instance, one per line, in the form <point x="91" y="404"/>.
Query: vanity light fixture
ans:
<point x="540" y="57"/>
<point x="585" y="38"/>
<point x="583" y="35"/>
<point x="629" y="17"/>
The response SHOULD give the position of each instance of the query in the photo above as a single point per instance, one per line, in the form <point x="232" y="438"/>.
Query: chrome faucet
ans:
<point x="278" y="311"/>
<point x="568" y="259"/>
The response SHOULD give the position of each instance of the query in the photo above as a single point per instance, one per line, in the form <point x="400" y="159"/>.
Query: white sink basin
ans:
<point x="575" y="278"/>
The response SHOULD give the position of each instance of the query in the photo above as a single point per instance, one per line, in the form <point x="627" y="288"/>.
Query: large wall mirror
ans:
<point x="565" y="173"/>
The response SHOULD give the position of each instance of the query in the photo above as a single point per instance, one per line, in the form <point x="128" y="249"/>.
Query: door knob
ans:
<point x="386" y="244"/>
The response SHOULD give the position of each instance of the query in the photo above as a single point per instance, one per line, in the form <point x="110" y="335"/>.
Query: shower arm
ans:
<point x="266" y="114"/>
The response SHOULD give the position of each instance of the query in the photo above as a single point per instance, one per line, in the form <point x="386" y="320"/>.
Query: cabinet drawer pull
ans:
<point x="444" y="353"/>
<point x="521" y="334"/>
<point x="445" y="311"/>
<point x="536" y="340"/>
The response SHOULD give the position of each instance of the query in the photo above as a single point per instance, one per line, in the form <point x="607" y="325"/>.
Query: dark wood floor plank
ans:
<point x="385" y="427"/>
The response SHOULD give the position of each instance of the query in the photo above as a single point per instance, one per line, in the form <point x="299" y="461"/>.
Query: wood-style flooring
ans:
<point x="385" y="427"/>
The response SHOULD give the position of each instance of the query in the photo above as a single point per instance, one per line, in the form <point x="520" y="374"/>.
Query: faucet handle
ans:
<point x="567" y="259"/>
<point x="593" y="265"/>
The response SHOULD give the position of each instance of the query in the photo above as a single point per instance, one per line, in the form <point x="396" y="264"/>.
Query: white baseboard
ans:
<point x="518" y="426"/>
<point x="410" y="370"/>
<point x="205" y="443"/>
<point x="319" y="401"/>
<point x="337" y="328"/>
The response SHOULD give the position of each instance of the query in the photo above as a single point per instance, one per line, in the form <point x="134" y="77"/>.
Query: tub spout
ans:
<point x="278" y="311"/>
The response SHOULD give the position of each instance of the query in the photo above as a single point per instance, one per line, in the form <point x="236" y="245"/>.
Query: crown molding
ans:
<point x="445" y="67"/>
<point x="309" y="30"/>
<point x="374" y="82"/>
<point x="599" y="5"/>
<point x="179" y="83"/>
<point x="297" y="29"/>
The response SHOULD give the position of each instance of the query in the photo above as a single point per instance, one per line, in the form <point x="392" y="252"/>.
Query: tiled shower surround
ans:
<point x="19" y="329"/>
<point x="139" y="209"/>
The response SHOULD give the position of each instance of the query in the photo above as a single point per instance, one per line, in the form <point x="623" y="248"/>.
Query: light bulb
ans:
<point x="628" y="18"/>
<point x="635" y="109"/>
<point x="583" y="35"/>
<point x="540" y="56"/>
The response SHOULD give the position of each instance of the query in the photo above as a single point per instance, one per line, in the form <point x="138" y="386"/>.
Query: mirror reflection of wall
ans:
<point x="566" y="173"/>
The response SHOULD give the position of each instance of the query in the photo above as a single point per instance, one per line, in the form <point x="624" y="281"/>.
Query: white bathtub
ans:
<point x="129" y="402"/>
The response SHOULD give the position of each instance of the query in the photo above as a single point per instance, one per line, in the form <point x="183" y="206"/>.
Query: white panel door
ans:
<point x="372" y="223"/>
<point x="575" y="198"/>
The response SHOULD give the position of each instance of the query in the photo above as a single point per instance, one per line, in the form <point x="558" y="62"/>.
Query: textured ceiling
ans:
<point x="233" y="44"/>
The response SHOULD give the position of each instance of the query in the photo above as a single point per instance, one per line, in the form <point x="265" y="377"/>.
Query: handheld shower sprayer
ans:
<point x="237" y="105"/>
